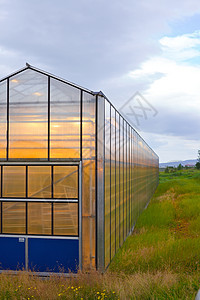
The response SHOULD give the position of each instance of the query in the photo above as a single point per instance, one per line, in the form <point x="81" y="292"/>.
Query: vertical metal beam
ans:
<point x="26" y="200"/>
<point x="119" y="155"/>
<point x="115" y="180"/>
<point x="118" y="120"/>
<point x="80" y="213"/>
<point x="1" y="197"/>
<point x="52" y="204"/>
<point x="129" y="138"/>
<point x="8" y="95"/>
<point x="131" y="178"/>
<point x="81" y="125"/>
<point x="110" y="182"/>
<point x="96" y="174"/>
<point x="49" y="117"/>
<point x="126" y="179"/>
<point x="123" y="180"/>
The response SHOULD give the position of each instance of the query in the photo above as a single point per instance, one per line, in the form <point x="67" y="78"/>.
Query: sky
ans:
<point x="144" y="55"/>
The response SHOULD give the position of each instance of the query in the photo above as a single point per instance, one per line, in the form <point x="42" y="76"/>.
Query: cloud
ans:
<point x="87" y="41"/>
<point x="176" y="97"/>
<point x="119" y="48"/>
<point x="181" y="42"/>
<point x="182" y="48"/>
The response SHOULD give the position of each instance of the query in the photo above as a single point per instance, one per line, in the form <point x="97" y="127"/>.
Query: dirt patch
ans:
<point x="182" y="228"/>
<point x="168" y="196"/>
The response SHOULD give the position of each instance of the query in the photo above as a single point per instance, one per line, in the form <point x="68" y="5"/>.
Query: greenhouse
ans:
<point x="74" y="175"/>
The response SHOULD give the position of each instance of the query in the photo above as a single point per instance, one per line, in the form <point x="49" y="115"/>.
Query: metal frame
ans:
<point x="80" y="214"/>
<point x="51" y="199"/>
<point x="110" y="187"/>
<point x="115" y="181"/>
<point x="119" y="180"/>
<point x="27" y="200"/>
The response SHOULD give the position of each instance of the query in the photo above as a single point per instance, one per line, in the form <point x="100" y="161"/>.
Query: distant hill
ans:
<point x="176" y="163"/>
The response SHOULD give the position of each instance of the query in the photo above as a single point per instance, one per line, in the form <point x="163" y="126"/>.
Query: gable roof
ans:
<point x="30" y="67"/>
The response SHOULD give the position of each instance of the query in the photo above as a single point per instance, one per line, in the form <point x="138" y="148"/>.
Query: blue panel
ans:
<point x="12" y="253"/>
<point x="53" y="255"/>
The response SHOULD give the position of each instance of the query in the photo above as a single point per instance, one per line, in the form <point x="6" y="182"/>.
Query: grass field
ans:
<point x="163" y="255"/>
<point x="160" y="260"/>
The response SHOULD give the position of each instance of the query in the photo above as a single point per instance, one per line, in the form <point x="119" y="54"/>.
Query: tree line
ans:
<point x="198" y="161"/>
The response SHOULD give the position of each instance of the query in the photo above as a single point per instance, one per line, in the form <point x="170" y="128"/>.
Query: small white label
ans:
<point x="21" y="240"/>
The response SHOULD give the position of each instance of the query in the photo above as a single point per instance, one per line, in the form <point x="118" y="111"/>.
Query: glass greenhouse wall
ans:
<point x="74" y="175"/>
<point x="130" y="179"/>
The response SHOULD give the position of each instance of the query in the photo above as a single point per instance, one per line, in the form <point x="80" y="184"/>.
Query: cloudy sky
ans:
<point x="120" y="47"/>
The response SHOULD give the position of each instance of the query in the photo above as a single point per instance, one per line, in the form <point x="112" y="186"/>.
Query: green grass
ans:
<point x="166" y="240"/>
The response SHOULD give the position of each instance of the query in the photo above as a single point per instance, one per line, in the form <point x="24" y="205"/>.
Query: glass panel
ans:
<point x="121" y="181"/>
<point x="28" y="131"/>
<point x="117" y="182"/>
<point x="89" y="104"/>
<point x="125" y="181"/>
<point x="136" y="175"/>
<point x="88" y="212"/>
<point x="65" y="218"/>
<point x="135" y="203"/>
<point x="131" y="182"/>
<point x="113" y="212"/>
<point x="107" y="183"/>
<point x="3" y="119"/>
<point x="128" y="179"/>
<point x="39" y="218"/>
<point x="14" y="181"/>
<point x="88" y="182"/>
<point x="14" y="217"/>
<point x="139" y="175"/>
<point x="39" y="181"/>
<point x="65" y="181"/>
<point x="65" y="120"/>
<point x="130" y="175"/>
